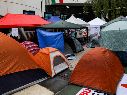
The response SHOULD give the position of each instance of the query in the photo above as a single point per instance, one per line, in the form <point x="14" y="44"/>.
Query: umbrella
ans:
<point x="114" y="36"/>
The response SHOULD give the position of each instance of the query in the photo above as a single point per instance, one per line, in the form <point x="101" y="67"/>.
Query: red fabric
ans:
<point x="124" y="85"/>
<point x="99" y="69"/>
<point x="61" y="1"/>
<point x="31" y="47"/>
<point x="21" y="20"/>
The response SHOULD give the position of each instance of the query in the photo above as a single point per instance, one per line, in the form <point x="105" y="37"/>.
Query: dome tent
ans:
<point x="99" y="69"/>
<point x="112" y="21"/>
<point x="114" y="37"/>
<point x="18" y="68"/>
<point x="14" y="58"/>
<point x="51" y="60"/>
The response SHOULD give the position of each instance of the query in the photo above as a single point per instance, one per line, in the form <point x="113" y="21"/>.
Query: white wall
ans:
<point x="17" y="6"/>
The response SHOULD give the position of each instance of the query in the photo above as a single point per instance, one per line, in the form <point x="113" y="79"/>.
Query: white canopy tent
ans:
<point x="82" y="22"/>
<point x="95" y="26"/>
<point x="75" y="20"/>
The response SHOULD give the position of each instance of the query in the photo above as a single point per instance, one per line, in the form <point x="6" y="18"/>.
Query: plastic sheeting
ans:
<point x="50" y="39"/>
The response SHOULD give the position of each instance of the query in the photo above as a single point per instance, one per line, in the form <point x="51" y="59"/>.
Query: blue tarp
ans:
<point x="50" y="39"/>
<point x="54" y="19"/>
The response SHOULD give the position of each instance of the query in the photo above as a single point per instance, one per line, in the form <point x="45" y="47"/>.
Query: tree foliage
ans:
<point x="88" y="11"/>
<point x="109" y="9"/>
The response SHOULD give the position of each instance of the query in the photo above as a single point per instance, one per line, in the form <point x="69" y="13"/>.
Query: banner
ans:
<point x="57" y="1"/>
<point x="61" y="1"/>
<point x="53" y="1"/>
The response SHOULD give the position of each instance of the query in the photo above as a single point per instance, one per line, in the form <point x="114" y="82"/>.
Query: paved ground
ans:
<point x="78" y="57"/>
<point x="53" y="84"/>
<point x="35" y="90"/>
<point x="41" y="90"/>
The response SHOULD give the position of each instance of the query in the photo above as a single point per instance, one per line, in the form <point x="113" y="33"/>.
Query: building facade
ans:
<point x="36" y="7"/>
<point x="40" y="7"/>
<point x="49" y="2"/>
<point x="65" y="8"/>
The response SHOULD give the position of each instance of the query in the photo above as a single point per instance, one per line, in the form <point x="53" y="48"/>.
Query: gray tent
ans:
<point x="112" y="21"/>
<point x="114" y="35"/>
<point x="63" y="25"/>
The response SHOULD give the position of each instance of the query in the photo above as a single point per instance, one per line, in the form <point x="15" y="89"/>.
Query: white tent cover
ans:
<point x="95" y="26"/>
<point x="75" y="20"/>
<point x="96" y="22"/>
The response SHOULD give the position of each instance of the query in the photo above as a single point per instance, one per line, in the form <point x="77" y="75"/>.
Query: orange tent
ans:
<point x="51" y="60"/>
<point x="21" y="20"/>
<point x="99" y="69"/>
<point x="13" y="57"/>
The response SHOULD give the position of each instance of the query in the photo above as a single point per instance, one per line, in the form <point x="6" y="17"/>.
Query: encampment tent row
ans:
<point x="20" y="69"/>
<point x="28" y="63"/>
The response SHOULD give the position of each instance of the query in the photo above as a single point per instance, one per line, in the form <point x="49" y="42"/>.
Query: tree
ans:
<point x="88" y="11"/>
<point x="109" y="9"/>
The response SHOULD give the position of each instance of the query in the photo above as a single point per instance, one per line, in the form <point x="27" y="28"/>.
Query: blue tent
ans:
<point x="54" y="19"/>
<point x="50" y="39"/>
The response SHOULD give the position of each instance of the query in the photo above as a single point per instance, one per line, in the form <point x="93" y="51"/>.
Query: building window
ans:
<point x="29" y="12"/>
<point x="63" y="16"/>
<point x="47" y="15"/>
